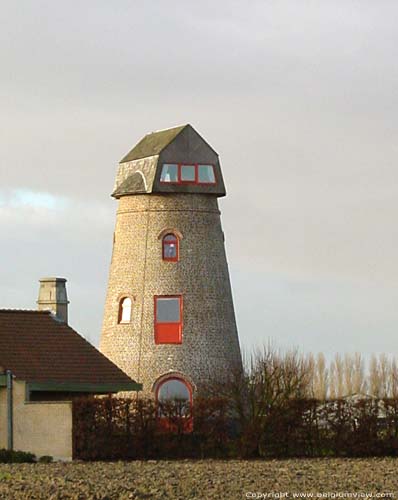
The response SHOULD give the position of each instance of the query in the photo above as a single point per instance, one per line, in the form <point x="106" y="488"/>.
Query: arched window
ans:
<point x="174" y="389"/>
<point x="124" y="310"/>
<point x="170" y="250"/>
<point x="174" y="399"/>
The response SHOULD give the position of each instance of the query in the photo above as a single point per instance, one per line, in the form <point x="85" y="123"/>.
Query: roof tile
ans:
<point x="36" y="347"/>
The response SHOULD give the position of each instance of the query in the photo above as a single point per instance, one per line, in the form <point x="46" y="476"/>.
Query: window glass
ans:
<point x="170" y="247"/>
<point x="167" y="309"/>
<point x="188" y="173"/>
<point x="126" y="310"/>
<point x="173" y="389"/>
<point x="169" y="173"/>
<point x="206" y="174"/>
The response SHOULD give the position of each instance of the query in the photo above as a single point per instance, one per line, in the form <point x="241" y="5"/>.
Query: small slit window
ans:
<point x="125" y="310"/>
<point x="168" y="319"/>
<point x="170" y="248"/>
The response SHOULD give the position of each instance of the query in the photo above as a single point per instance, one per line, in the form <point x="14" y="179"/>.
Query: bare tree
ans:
<point x="394" y="379"/>
<point x="332" y="381"/>
<point x="278" y="376"/>
<point x="358" y="381"/>
<point x="374" y="377"/>
<point x="269" y="380"/>
<point x="321" y="378"/>
<point x="348" y="367"/>
<point x="339" y="376"/>
<point x="384" y="374"/>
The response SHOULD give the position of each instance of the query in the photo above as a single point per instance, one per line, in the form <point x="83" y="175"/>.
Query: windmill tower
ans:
<point x="169" y="319"/>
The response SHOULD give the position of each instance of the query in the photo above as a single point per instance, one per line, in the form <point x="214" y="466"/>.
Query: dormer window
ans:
<point x="169" y="173"/>
<point x="188" y="173"/>
<point x="206" y="174"/>
<point x="170" y="247"/>
<point x="184" y="173"/>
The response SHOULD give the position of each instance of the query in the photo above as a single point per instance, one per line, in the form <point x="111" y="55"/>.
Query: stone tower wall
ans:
<point x="210" y="343"/>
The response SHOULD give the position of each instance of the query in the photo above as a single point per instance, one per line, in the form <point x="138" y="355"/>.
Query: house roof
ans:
<point x="38" y="348"/>
<point x="153" y="143"/>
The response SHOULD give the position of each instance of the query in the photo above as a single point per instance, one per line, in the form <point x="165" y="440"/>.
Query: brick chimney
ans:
<point x="53" y="297"/>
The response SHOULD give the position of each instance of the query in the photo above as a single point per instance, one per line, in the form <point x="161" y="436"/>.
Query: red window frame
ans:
<point x="196" y="181"/>
<point x="168" y="333"/>
<point x="186" y="425"/>
<point x="174" y="377"/>
<point x="165" y="243"/>
<point x="214" y="173"/>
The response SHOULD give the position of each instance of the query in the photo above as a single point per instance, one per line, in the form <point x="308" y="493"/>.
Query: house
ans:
<point x="169" y="318"/>
<point x="44" y="365"/>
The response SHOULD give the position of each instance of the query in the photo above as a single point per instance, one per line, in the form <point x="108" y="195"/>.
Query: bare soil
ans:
<point x="207" y="479"/>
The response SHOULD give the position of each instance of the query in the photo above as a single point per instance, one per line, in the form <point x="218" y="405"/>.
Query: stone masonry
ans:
<point x="210" y="345"/>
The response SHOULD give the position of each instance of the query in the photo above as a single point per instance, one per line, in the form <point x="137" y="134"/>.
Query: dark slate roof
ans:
<point x="133" y="184"/>
<point x="38" y="348"/>
<point x="153" y="143"/>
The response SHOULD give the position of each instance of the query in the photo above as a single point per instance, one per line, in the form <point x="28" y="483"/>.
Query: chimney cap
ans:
<point x="52" y="279"/>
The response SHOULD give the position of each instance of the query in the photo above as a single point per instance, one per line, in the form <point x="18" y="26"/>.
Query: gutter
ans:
<point x="91" y="388"/>
<point x="10" y="426"/>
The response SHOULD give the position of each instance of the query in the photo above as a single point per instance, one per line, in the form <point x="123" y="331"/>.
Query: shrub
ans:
<point x="46" y="459"/>
<point x="129" y="429"/>
<point x="15" y="457"/>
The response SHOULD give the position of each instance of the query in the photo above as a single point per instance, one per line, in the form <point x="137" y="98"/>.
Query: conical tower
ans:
<point x="169" y="319"/>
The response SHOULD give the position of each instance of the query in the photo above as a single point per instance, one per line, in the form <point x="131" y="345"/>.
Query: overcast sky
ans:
<point x="299" y="98"/>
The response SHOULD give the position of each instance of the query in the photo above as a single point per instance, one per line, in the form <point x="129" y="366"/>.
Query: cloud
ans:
<point x="17" y="198"/>
<point x="299" y="99"/>
<point x="52" y="236"/>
